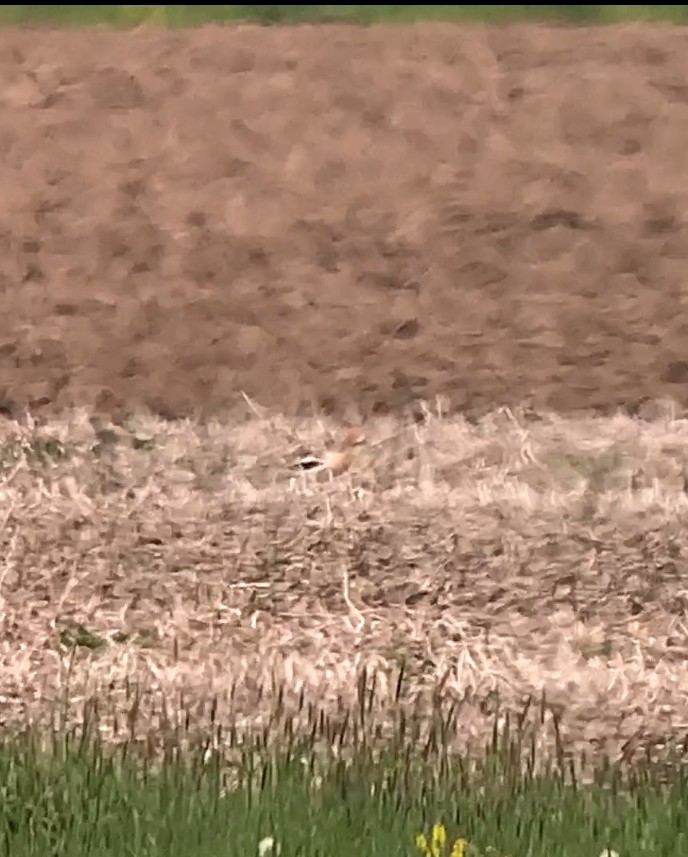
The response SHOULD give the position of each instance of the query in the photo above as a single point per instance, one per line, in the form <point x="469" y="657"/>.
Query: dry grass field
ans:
<point x="219" y="246"/>
<point x="514" y="554"/>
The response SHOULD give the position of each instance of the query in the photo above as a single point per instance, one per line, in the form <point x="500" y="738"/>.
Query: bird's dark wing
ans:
<point x="308" y="462"/>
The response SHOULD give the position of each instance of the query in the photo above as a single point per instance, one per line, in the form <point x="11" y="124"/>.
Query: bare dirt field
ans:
<point x="337" y="217"/>
<point x="244" y="229"/>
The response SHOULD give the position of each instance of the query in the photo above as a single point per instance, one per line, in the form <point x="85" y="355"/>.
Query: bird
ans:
<point x="334" y="461"/>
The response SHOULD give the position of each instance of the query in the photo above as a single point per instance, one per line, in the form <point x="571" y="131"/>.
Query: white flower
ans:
<point x="266" y="846"/>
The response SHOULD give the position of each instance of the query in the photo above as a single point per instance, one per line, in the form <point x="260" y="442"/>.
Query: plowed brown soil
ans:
<point x="330" y="215"/>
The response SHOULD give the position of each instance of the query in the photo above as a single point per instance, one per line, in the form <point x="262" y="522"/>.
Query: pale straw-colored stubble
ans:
<point x="513" y="554"/>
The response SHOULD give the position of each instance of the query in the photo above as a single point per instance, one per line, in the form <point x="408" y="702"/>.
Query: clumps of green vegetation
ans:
<point x="77" y="636"/>
<point x="334" y="787"/>
<point x="105" y="439"/>
<point x="41" y="451"/>
<point x="109" y="438"/>
<point x="35" y="451"/>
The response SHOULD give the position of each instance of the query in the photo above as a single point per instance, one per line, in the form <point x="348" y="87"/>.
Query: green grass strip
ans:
<point x="74" y="799"/>
<point x="185" y="16"/>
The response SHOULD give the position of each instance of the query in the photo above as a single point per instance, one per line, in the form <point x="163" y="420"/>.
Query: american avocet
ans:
<point x="337" y="460"/>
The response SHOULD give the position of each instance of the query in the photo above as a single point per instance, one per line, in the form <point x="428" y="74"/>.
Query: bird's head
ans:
<point x="353" y="436"/>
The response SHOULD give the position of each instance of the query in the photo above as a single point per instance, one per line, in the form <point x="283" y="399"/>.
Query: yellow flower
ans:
<point x="422" y="845"/>
<point x="436" y="847"/>
<point x="439" y="840"/>
<point x="459" y="848"/>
